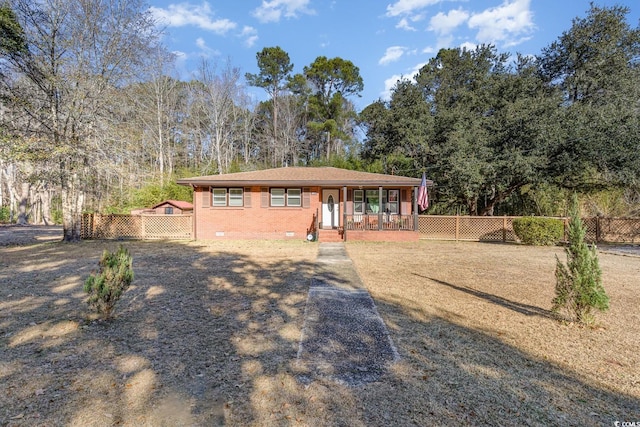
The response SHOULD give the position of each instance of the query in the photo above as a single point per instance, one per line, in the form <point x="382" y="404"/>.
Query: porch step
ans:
<point x="329" y="235"/>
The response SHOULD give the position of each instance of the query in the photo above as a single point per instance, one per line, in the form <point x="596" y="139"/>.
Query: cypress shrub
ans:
<point x="579" y="287"/>
<point x="114" y="275"/>
<point x="538" y="231"/>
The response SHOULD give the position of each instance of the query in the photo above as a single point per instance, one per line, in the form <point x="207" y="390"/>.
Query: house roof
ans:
<point x="176" y="203"/>
<point x="303" y="177"/>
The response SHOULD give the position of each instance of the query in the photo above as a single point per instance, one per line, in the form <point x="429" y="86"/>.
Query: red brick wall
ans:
<point x="254" y="222"/>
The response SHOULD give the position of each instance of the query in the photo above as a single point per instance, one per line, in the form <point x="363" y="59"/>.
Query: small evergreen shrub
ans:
<point x="579" y="287"/>
<point x="114" y="275"/>
<point x="538" y="231"/>
<point x="5" y="215"/>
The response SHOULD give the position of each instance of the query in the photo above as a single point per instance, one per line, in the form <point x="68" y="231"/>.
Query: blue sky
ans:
<point x="384" y="39"/>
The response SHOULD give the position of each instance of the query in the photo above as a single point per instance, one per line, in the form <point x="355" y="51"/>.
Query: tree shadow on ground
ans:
<point x="208" y="335"/>
<point x="526" y="309"/>
<point x="455" y="375"/>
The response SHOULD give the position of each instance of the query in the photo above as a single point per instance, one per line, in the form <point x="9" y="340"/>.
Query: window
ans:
<point x="392" y="202"/>
<point x="286" y="197"/>
<point x="168" y="210"/>
<point x="235" y="196"/>
<point x="294" y="197"/>
<point x="277" y="197"/>
<point x="373" y="201"/>
<point x="358" y="201"/>
<point x="219" y="197"/>
<point x="228" y="197"/>
<point x="369" y="201"/>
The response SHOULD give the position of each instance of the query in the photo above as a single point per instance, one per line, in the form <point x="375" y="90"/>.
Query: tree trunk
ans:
<point x="45" y="196"/>
<point x="22" y="206"/>
<point x="72" y="202"/>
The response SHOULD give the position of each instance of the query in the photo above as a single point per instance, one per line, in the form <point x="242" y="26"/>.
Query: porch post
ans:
<point x="344" y="214"/>
<point x="380" y="211"/>
<point x="415" y="208"/>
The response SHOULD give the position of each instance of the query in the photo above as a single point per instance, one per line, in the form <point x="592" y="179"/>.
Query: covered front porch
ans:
<point x="368" y="213"/>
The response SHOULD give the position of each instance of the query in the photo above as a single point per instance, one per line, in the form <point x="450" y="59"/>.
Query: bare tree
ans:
<point x="77" y="53"/>
<point x="217" y="95"/>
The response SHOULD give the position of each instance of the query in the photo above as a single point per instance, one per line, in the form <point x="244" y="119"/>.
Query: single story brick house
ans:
<point x="323" y="203"/>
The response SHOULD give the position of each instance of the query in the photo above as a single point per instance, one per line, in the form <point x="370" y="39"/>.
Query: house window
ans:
<point x="219" y="197"/>
<point x="373" y="201"/>
<point x="228" y="197"/>
<point x="294" y="197"/>
<point x="236" y="196"/>
<point x="168" y="211"/>
<point x="393" y="198"/>
<point x="277" y="197"/>
<point x="358" y="201"/>
<point x="286" y="197"/>
<point x="370" y="202"/>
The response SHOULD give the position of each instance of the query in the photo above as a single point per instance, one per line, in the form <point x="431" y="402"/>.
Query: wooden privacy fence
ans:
<point x="97" y="226"/>
<point x="500" y="228"/>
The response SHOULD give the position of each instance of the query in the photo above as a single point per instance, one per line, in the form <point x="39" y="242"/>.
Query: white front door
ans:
<point x="330" y="208"/>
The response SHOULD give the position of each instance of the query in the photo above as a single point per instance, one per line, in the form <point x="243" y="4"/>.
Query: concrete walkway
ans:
<point x="344" y="337"/>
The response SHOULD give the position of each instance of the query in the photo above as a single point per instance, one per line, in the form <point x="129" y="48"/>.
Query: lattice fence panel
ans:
<point x="591" y="227"/>
<point x="117" y="227"/>
<point x="622" y="230"/>
<point x="480" y="228"/>
<point x="166" y="226"/>
<point x="483" y="228"/>
<point x="437" y="227"/>
<point x="96" y="226"/>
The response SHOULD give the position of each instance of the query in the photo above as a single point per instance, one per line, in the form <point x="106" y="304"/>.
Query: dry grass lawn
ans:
<point x="208" y="335"/>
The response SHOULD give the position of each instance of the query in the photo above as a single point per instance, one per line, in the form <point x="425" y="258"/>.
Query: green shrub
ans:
<point x="5" y="215"/>
<point x="533" y="230"/>
<point x="114" y="275"/>
<point x="579" y="287"/>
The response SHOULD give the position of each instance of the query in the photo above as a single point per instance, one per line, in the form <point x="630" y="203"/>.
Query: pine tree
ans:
<point x="579" y="287"/>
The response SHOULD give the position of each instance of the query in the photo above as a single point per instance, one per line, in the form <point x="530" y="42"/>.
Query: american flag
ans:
<point x="423" y="197"/>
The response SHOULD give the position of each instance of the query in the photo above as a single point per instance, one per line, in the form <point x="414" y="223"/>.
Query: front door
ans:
<point x="330" y="208"/>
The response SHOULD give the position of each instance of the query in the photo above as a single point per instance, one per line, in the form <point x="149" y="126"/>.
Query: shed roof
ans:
<point x="180" y="204"/>
<point x="302" y="176"/>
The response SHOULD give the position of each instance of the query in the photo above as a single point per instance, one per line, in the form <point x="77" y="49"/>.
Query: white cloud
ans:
<point x="468" y="46"/>
<point x="185" y="14"/>
<point x="446" y="23"/>
<point x="391" y="82"/>
<point x="392" y="54"/>
<point x="205" y="51"/>
<point x="250" y="36"/>
<point x="408" y="7"/>
<point x="505" y="23"/>
<point x="272" y="11"/>
<point x="404" y="25"/>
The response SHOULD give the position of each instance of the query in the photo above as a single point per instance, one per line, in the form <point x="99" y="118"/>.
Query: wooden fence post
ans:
<point x="504" y="229"/>
<point x="457" y="227"/>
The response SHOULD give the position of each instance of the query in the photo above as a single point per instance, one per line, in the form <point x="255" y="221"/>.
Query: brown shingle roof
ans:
<point x="302" y="176"/>
<point x="176" y="203"/>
